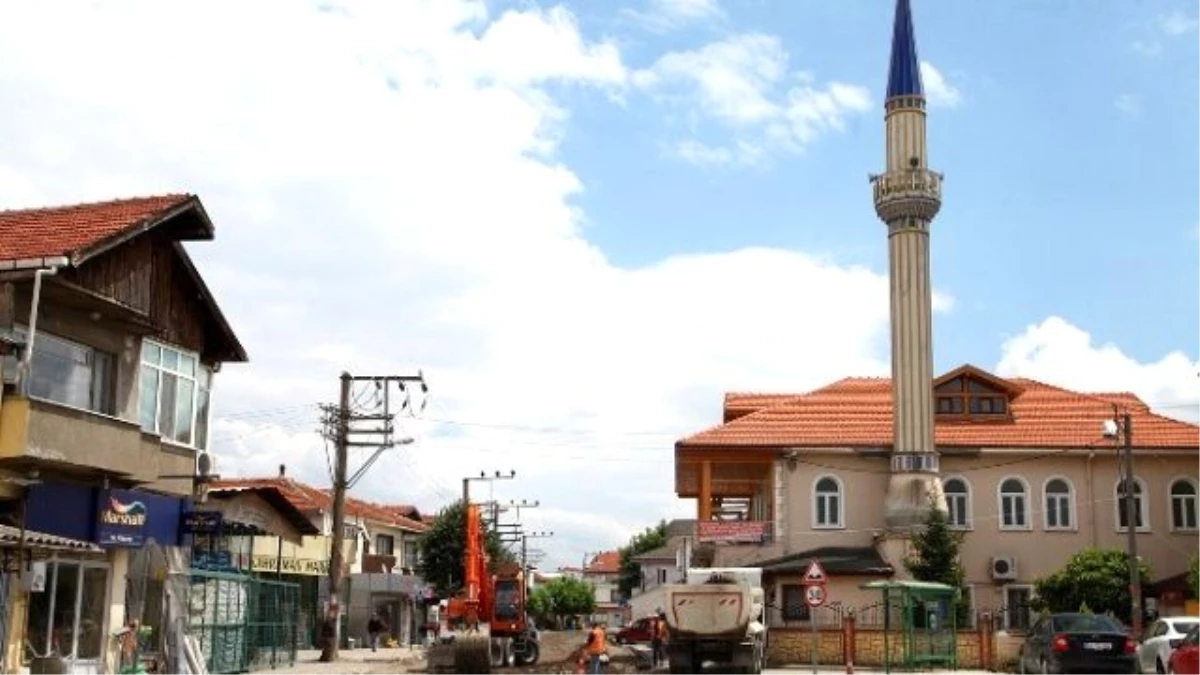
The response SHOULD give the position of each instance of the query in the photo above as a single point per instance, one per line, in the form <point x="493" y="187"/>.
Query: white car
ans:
<point x="1162" y="637"/>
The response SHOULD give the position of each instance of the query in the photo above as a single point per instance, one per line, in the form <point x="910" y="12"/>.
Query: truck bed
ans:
<point x="708" y="610"/>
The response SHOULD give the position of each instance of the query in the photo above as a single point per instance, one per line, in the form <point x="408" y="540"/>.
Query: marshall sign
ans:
<point x="122" y="519"/>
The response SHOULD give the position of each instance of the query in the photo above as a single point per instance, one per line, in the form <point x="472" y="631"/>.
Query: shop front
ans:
<point x="80" y="600"/>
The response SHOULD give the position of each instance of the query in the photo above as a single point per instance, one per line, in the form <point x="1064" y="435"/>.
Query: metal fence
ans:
<point x="274" y="623"/>
<point x="243" y="622"/>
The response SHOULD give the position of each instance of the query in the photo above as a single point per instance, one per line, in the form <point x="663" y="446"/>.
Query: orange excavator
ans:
<point x="486" y="624"/>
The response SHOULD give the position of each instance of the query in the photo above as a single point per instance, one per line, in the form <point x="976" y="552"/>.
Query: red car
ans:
<point x="641" y="630"/>
<point x="1186" y="657"/>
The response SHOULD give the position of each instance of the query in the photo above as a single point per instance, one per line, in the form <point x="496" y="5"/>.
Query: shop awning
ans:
<point x="10" y="537"/>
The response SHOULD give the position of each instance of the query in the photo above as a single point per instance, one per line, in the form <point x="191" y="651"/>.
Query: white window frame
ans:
<point x="195" y="379"/>
<point x="1143" y="504"/>
<point x="53" y="568"/>
<point x="1025" y="498"/>
<point x="1004" y="595"/>
<point x="1073" y="524"/>
<point x="1195" y="498"/>
<point x="840" y="524"/>
<point x="968" y="516"/>
<point x="21" y="331"/>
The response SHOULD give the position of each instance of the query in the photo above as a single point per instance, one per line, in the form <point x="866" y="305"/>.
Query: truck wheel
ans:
<point x="532" y="651"/>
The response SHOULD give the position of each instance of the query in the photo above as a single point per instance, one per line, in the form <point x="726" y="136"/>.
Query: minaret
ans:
<point x="907" y="197"/>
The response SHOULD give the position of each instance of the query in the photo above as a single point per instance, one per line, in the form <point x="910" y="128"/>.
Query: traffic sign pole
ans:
<point x="815" y="596"/>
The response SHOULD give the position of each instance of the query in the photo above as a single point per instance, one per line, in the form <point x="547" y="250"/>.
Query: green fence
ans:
<point x="242" y="622"/>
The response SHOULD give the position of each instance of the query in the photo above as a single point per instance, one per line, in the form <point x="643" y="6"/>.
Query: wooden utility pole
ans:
<point x="1131" y="522"/>
<point x="342" y="416"/>
<point x="332" y="633"/>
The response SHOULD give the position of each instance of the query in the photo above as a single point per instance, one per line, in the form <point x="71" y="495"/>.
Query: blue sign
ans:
<point x="122" y="518"/>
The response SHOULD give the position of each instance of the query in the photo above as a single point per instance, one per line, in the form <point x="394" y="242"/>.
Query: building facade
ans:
<point x="116" y="344"/>
<point x="603" y="574"/>
<point x="380" y="550"/>
<point x="842" y="474"/>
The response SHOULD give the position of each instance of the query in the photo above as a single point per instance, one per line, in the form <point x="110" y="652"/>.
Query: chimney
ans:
<point x="282" y="470"/>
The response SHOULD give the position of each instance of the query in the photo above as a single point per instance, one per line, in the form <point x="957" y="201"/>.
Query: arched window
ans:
<point x="1142" y="518"/>
<point x="828" y="504"/>
<point x="1183" y="504"/>
<point x="1060" y="504"/>
<point x="1014" y="504"/>
<point x="958" y="502"/>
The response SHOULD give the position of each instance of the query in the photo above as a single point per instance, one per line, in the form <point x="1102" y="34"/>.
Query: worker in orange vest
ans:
<point x="597" y="647"/>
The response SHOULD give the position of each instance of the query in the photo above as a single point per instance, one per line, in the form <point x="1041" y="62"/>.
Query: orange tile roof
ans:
<point x="308" y="498"/>
<point x="66" y="230"/>
<point x="608" y="562"/>
<point x="857" y="412"/>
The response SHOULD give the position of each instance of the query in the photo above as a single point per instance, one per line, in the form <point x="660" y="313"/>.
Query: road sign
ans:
<point x="815" y="574"/>
<point x="814" y="595"/>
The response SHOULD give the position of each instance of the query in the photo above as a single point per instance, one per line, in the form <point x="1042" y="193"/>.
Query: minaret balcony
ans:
<point x="909" y="193"/>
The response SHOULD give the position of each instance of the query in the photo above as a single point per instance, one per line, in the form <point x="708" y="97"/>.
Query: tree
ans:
<point x="1095" y="578"/>
<point x="443" y="549"/>
<point x="560" y="598"/>
<point x="936" y="558"/>
<point x="1193" y="575"/>
<point x="631" y="571"/>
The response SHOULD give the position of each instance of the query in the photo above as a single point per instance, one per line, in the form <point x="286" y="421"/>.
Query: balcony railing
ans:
<point x="759" y="532"/>
<point x="910" y="192"/>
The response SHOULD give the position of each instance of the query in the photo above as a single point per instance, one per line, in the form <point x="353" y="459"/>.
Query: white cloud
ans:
<point x="1128" y="104"/>
<point x="1177" y="23"/>
<point x="661" y="16"/>
<point x="388" y="195"/>
<point x="742" y="85"/>
<point x="1057" y="352"/>
<point x="938" y="91"/>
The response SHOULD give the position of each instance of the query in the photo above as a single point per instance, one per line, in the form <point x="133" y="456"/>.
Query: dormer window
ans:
<point x="968" y="396"/>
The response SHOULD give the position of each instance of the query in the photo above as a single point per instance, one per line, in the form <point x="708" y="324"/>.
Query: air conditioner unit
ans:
<point x="1004" y="568"/>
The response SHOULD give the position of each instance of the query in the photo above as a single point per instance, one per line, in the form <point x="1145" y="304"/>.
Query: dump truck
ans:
<point x="715" y="621"/>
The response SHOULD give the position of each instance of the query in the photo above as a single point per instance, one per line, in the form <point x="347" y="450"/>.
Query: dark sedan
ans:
<point x="1083" y="643"/>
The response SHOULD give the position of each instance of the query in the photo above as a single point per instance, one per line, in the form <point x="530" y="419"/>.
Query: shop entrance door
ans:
<point x="69" y="618"/>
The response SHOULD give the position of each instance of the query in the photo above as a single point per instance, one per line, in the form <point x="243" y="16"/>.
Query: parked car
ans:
<point x="638" y="631"/>
<point x="1073" y="642"/>
<point x="1163" y="636"/>
<point x="1186" y="657"/>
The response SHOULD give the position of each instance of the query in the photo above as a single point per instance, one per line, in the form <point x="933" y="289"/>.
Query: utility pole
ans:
<point x="512" y="473"/>
<point x="339" y="429"/>
<point x="1131" y="513"/>
<point x="525" y="547"/>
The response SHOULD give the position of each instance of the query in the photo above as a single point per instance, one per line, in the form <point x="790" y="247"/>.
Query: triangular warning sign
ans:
<point x="815" y="574"/>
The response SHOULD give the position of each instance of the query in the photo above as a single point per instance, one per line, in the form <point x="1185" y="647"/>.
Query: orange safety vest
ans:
<point x="599" y="641"/>
<point x="660" y="629"/>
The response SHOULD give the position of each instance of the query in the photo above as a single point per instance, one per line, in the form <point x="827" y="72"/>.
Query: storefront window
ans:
<point x="67" y="619"/>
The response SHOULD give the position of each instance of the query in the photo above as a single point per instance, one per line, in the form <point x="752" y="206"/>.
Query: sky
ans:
<point x="584" y="222"/>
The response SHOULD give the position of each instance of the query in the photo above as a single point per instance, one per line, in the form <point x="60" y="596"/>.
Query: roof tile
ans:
<point x="64" y="230"/>
<point x="857" y="412"/>
<point x="308" y="498"/>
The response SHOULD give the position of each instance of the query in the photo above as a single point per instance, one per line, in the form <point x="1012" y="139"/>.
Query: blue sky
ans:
<point x="587" y="222"/>
<point x="1057" y="201"/>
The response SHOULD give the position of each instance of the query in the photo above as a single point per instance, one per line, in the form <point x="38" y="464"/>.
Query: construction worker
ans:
<point x="658" y="636"/>
<point x="597" y="648"/>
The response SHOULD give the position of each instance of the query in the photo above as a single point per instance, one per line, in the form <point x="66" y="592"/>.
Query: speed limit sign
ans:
<point x="814" y="596"/>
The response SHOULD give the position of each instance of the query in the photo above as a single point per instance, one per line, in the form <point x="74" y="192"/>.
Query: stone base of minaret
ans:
<point x="909" y="498"/>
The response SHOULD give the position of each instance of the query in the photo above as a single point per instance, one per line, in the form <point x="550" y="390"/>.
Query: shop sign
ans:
<point x="732" y="531"/>
<point x="200" y="522"/>
<point x="122" y="518"/>
<point x="306" y="566"/>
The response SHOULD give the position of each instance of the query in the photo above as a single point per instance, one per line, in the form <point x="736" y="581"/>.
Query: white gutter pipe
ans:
<point x="41" y="267"/>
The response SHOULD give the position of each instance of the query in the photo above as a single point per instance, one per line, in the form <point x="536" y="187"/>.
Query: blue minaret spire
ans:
<point x="904" y="75"/>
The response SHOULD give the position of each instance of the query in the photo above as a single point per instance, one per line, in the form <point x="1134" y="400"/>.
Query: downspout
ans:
<point x="1091" y="496"/>
<point x="47" y="266"/>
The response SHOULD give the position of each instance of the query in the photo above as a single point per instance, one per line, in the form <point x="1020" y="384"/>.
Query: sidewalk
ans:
<point x="353" y="661"/>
